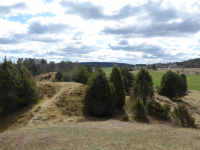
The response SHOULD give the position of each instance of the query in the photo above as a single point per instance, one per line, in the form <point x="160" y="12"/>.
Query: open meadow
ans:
<point x="193" y="80"/>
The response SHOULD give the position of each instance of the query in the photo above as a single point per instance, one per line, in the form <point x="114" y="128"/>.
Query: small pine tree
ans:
<point x="117" y="80"/>
<point x="161" y="111"/>
<point x="138" y="109"/>
<point x="99" y="95"/>
<point x="143" y="86"/>
<point x="172" y="85"/>
<point x="182" y="117"/>
<point x="59" y="76"/>
<point x="128" y="78"/>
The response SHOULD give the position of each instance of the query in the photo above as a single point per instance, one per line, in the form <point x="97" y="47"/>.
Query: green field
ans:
<point x="193" y="81"/>
<point x="107" y="70"/>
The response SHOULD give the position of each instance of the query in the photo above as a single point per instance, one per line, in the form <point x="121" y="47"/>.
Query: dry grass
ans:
<point x="109" y="134"/>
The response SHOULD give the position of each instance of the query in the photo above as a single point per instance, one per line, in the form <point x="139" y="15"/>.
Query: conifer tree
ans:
<point x="173" y="85"/>
<point x="143" y="86"/>
<point x="17" y="87"/>
<point x="100" y="95"/>
<point x="138" y="109"/>
<point x="9" y="77"/>
<point x="117" y="80"/>
<point x="28" y="92"/>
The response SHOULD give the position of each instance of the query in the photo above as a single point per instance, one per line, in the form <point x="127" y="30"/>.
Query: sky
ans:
<point x="123" y="31"/>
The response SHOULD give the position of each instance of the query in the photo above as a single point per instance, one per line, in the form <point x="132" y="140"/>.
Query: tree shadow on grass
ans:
<point x="120" y="115"/>
<point x="15" y="120"/>
<point x="180" y="101"/>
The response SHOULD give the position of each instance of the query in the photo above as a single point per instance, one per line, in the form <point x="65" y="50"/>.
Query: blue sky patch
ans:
<point x="24" y="18"/>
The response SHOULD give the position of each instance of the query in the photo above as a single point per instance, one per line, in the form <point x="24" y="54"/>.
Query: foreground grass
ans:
<point x="88" y="135"/>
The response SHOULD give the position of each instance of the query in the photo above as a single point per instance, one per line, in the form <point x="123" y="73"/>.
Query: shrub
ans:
<point x="59" y="76"/>
<point x="172" y="85"/>
<point x="117" y="80"/>
<point x="197" y="73"/>
<point x="138" y="109"/>
<point x="128" y="78"/>
<point x="143" y="86"/>
<point x="80" y="74"/>
<point x="99" y="96"/>
<point x="182" y="117"/>
<point x="160" y="111"/>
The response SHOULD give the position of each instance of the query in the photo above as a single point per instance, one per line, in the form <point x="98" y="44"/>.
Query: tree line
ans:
<point x="103" y="95"/>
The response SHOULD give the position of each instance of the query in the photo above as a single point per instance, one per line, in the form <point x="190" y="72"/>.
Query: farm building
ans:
<point x="139" y="66"/>
<point x="173" y="66"/>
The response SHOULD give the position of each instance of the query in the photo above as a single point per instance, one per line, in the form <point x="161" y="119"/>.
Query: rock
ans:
<point x="36" y="121"/>
<point x="193" y="110"/>
<point x="44" y="118"/>
<point x="61" y="120"/>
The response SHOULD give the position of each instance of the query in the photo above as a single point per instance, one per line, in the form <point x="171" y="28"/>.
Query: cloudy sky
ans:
<point x="126" y="31"/>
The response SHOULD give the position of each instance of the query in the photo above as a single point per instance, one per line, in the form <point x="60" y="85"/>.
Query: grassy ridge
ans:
<point x="193" y="81"/>
<point x="116" y="135"/>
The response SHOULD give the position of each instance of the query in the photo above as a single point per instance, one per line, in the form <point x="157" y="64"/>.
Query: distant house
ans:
<point x="139" y="66"/>
<point x="172" y="66"/>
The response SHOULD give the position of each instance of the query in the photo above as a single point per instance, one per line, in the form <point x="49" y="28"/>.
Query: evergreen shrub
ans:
<point x="99" y="96"/>
<point x="161" y="111"/>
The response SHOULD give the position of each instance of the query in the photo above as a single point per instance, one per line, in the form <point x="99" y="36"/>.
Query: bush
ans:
<point x="59" y="76"/>
<point x="117" y="80"/>
<point x="172" y="85"/>
<point x="143" y="86"/>
<point x="80" y="74"/>
<point x="17" y="87"/>
<point x="182" y="117"/>
<point x="99" y="96"/>
<point x="138" y="109"/>
<point x="128" y="78"/>
<point x="160" y="111"/>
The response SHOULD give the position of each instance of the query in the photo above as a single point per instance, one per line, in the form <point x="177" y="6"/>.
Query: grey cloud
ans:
<point x="38" y="28"/>
<point x="123" y="42"/>
<point x="190" y="25"/>
<point x="84" y="49"/>
<point x="89" y="11"/>
<point x="154" y="50"/>
<point x="158" y="13"/>
<point x="78" y="42"/>
<point x="4" y="10"/>
<point x="19" y="38"/>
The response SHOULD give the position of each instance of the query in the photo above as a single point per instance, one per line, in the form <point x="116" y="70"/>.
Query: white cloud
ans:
<point x="161" y="25"/>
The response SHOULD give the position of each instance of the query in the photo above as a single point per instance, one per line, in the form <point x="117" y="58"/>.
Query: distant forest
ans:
<point x="40" y="66"/>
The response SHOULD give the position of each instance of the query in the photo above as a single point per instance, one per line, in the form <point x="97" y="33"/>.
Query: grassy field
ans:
<point x="193" y="81"/>
<point x="107" y="70"/>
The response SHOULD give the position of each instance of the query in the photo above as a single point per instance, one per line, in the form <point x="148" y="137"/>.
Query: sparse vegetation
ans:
<point x="117" y="80"/>
<point x="182" y="117"/>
